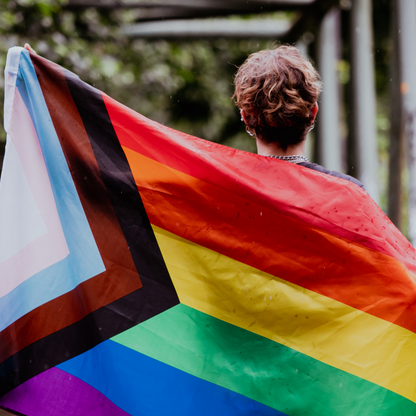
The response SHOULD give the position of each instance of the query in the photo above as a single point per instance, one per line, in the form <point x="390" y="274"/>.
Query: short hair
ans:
<point x="277" y="88"/>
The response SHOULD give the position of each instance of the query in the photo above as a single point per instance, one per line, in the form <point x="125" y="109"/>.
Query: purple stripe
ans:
<point x="55" y="392"/>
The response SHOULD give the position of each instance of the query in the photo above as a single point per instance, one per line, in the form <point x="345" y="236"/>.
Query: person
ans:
<point x="277" y="91"/>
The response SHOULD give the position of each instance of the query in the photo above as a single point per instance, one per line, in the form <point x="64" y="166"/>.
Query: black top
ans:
<point x="320" y="168"/>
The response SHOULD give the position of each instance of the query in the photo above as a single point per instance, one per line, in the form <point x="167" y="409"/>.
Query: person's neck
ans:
<point x="267" y="149"/>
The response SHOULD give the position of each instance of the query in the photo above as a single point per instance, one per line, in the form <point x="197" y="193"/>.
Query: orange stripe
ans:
<point x="269" y="241"/>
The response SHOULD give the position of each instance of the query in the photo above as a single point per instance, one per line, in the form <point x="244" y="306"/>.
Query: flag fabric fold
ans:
<point x="146" y="271"/>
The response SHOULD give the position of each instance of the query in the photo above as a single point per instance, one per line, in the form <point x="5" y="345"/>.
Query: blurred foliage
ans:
<point x="383" y="141"/>
<point x="186" y="85"/>
<point x="382" y="11"/>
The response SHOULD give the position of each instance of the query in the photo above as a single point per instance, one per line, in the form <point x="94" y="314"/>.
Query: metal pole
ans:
<point x="303" y="47"/>
<point x="406" y="14"/>
<point x="208" y="28"/>
<point x="329" y="117"/>
<point x="396" y="129"/>
<point x="364" y="97"/>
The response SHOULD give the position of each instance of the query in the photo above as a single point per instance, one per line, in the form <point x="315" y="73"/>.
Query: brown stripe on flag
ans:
<point x="117" y="298"/>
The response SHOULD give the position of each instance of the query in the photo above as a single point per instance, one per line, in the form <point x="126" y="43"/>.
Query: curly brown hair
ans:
<point x="276" y="89"/>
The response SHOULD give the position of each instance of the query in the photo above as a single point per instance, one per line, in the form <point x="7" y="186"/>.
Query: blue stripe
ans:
<point x="84" y="260"/>
<point x="143" y="386"/>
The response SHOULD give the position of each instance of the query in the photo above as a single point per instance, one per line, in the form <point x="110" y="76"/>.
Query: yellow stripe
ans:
<point x="313" y="324"/>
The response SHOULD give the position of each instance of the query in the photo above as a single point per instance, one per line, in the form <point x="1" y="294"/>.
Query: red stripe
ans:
<point x="331" y="204"/>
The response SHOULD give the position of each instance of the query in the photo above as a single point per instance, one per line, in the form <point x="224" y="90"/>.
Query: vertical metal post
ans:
<point x="406" y="14"/>
<point x="303" y="48"/>
<point x="396" y="152"/>
<point x="364" y="96"/>
<point x="329" y="40"/>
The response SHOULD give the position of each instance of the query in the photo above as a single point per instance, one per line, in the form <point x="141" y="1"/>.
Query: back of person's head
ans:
<point x="277" y="89"/>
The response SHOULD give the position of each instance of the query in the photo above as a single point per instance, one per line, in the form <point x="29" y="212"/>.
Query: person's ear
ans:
<point x="243" y="116"/>
<point x="314" y="112"/>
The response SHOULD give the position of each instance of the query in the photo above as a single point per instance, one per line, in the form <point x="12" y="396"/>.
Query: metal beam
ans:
<point x="309" y="21"/>
<point x="364" y="96"/>
<point x="242" y="5"/>
<point x="187" y="9"/>
<point x="169" y="13"/>
<point x="211" y="28"/>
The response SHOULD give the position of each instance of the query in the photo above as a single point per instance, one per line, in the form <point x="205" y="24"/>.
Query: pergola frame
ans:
<point x="170" y="19"/>
<point x="183" y="9"/>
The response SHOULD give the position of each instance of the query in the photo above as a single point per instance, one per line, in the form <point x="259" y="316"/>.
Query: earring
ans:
<point x="311" y="127"/>
<point x="249" y="132"/>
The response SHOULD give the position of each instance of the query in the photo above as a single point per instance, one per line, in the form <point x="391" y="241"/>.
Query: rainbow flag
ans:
<point x="144" y="271"/>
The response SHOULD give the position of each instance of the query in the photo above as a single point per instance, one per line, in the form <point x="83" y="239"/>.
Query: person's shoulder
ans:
<point x="320" y="168"/>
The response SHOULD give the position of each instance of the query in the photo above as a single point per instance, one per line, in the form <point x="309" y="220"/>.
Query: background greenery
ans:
<point x="186" y="85"/>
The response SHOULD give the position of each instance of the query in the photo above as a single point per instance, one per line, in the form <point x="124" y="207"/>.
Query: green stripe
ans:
<point x="257" y="367"/>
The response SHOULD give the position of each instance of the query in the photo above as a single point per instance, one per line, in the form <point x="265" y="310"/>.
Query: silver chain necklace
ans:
<point x="291" y="158"/>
